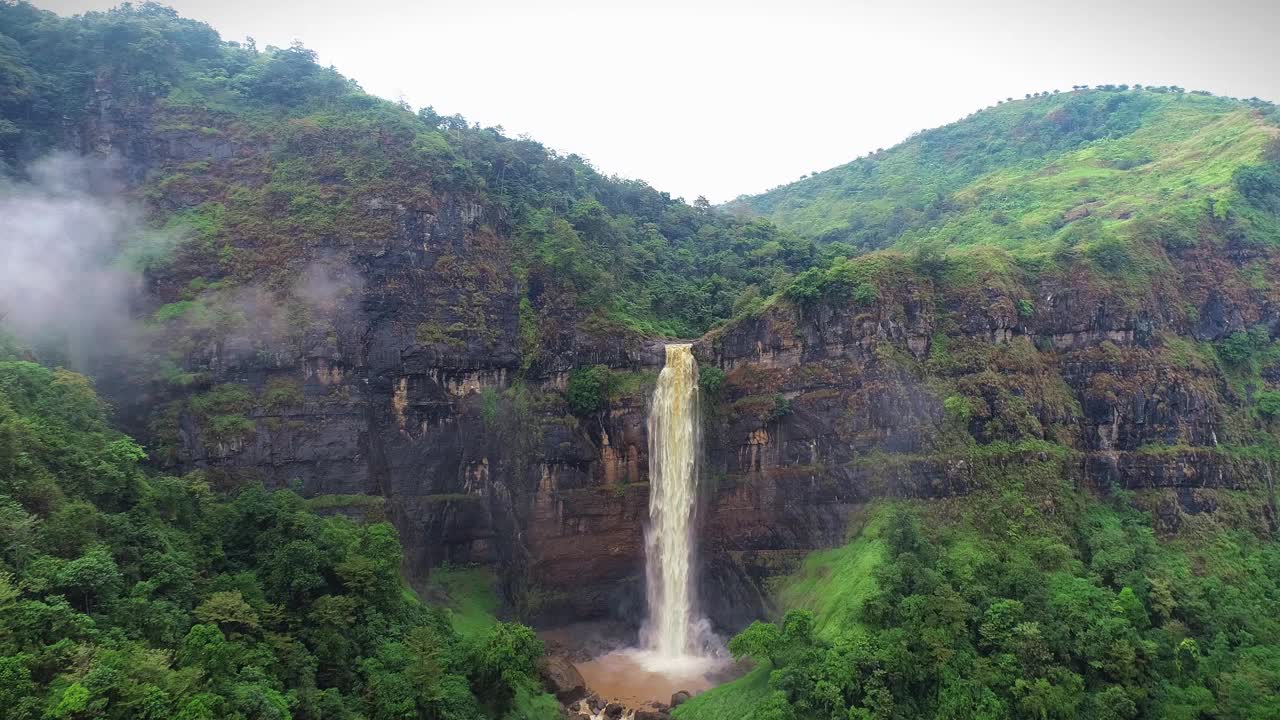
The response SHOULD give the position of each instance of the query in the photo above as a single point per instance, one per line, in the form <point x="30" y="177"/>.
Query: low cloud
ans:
<point x="72" y="245"/>
<point x="62" y="289"/>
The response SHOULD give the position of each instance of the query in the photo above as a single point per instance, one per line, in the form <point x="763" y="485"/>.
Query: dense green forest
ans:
<point x="126" y="594"/>
<point x="1035" y="600"/>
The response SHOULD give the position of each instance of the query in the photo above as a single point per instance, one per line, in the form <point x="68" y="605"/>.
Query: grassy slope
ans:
<point x="473" y="604"/>
<point x="471" y="599"/>
<point x="1009" y="176"/>
<point x="833" y="584"/>
<point x="731" y="701"/>
<point x="1193" y="153"/>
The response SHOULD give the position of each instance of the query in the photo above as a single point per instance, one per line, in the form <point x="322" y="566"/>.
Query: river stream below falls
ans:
<point x="618" y="672"/>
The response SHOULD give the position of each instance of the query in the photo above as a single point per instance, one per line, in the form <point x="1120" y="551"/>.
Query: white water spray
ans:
<point x="673" y="631"/>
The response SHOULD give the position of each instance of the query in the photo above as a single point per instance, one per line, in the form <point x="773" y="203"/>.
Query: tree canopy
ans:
<point x="125" y="594"/>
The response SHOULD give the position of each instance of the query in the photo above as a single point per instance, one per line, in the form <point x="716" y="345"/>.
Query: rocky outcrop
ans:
<point x="562" y="679"/>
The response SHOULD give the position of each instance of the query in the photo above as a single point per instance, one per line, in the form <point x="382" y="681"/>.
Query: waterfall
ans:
<point x="677" y="650"/>
<point x="673" y="630"/>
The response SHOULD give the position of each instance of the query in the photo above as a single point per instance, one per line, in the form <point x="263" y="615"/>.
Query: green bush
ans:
<point x="282" y="393"/>
<point x="222" y="411"/>
<point x="1240" y="347"/>
<point x="489" y="407"/>
<point x="1260" y="185"/>
<point x="711" y="379"/>
<point x="588" y="390"/>
<point x="958" y="411"/>
<point x="781" y="407"/>
<point x="1268" y="403"/>
<point x="1111" y="254"/>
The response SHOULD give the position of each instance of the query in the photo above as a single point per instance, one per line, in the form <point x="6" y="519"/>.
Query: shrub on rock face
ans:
<point x="781" y="407"/>
<point x="712" y="381"/>
<point x="588" y="390"/>
<point x="1269" y="403"/>
<point x="958" y="410"/>
<point x="1240" y="346"/>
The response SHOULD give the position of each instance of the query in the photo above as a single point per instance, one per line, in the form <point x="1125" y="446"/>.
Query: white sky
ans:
<point x="725" y="97"/>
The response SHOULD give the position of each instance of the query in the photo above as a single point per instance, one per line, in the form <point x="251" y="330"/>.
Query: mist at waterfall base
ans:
<point x="678" y="649"/>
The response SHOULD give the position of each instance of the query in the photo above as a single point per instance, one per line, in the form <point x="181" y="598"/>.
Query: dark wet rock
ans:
<point x="819" y="415"/>
<point x="679" y="698"/>
<point x="561" y="679"/>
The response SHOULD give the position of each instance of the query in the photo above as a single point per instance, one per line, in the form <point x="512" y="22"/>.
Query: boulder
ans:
<point x="562" y="679"/>
<point x="679" y="697"/>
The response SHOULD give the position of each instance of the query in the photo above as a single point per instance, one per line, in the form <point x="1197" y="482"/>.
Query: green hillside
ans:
<point x="1034" y="175"/>
<point x="1037" y="600"/>
<point x="1038" y="597"/>
<point x="315" y="147"/>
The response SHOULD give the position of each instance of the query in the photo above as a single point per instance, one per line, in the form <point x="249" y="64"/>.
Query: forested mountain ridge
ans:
<point x="1070" y="358"/>
<point x="1056" y="167"/>
<point x="1024" y="365"/>
<point x="283" y="156"/>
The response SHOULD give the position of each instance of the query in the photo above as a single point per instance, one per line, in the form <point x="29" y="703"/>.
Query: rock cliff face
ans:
<point x="419" y="376"/>
<point x="824" y="409"/>
<point x="868" y="398"/>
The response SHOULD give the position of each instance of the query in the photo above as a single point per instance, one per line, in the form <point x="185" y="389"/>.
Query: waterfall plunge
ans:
<point x="678" y="649"/>
<point x="673" y="631"/>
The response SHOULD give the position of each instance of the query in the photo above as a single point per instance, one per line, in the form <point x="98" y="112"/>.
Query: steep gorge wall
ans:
<point x="824" y="409"/>
<point x="419" y="382"/>
<point x="1122" y="388"/>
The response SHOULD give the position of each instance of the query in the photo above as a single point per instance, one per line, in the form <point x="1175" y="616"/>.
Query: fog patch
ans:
<point x="64" y="288"/>
<point x="326" y="286"/>
<point x="73" y="249"/>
